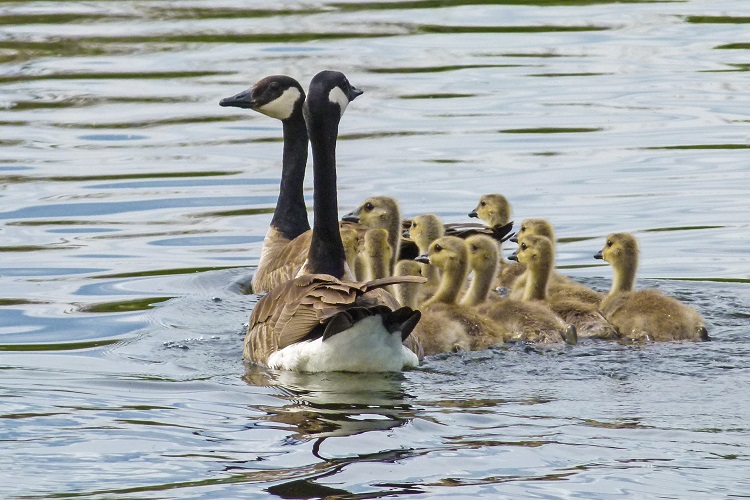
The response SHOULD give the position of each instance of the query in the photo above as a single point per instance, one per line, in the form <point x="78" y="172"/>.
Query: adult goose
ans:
<point x="643" y="314"/>
<point x="288" y="237"/>
<point x="321" y="320"/>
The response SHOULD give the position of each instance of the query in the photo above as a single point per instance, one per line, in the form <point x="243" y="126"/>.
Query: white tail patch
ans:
<point x="339" y="97"/>
<point x="366" y="347"/>
<point x="282" y="107"/>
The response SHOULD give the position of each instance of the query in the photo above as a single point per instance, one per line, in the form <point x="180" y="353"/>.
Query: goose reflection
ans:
<point x="333" y="404"/>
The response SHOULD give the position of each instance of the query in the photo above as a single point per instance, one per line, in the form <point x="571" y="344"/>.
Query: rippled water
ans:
<point x="133" y="207"/>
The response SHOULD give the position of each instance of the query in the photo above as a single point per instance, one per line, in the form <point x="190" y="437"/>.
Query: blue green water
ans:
<point x="133" y="208"/>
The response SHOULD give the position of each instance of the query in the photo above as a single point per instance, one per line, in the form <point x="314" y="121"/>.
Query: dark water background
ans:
<point x="133" y="207"/>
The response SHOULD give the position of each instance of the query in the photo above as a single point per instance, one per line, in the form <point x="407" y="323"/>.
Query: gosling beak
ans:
<point x="513" y="256"/>
<point x="242" y="100"/>
<point x="351" y="217"/>
<point x="354" y="93"/>
<point x="514" y="238"/>
<point x="599" y="255"/>
<point x="424" y="258"/>
<point x="406" y="234"/>
<point x="474" y="214"/>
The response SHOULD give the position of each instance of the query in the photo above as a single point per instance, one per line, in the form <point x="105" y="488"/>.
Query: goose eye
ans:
<point x="369" y="206"/>
<point x="273" y="85"/>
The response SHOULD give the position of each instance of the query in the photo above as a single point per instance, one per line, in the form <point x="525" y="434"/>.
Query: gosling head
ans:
<point x="425" y="229"/>
<point x="376" y="212"/>
<point x="620" y="250"/>
<point x="534" y="251"/>
<point x="447" y="253"/>
<point x="494" y="209"/>
<point x="277" y="96"/>
<point x="483" y="253"/>
<point x="537" y="227"/>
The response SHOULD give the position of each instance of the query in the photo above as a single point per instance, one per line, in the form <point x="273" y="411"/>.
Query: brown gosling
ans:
<point x="437" y="331"/>
<point x="559" y="284"/>
<point x="538" y="254"/>
<point x="380" y="212"/>
<point x="450" y="254"/>
<point x="376" y="253"/>
<point x="644" y="314"/>
<point x="495" y="210"/>
<point x="423" y="231"/>
<point x="523" y="320"/>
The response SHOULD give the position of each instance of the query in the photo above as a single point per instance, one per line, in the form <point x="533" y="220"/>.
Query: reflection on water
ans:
<point x="133" y="207"/>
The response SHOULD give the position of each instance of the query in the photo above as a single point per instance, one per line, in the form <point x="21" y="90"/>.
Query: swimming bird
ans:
<point x="538" y="253"/>
<point x="643" y="314"/>
<point x="423" y="230"/>
<point x="495" y="210"/>
<point x="288" y="237"/>
<point x="379" y="212"/>
<point x="529" y="321"/>
<point x="321" y="320"/>
<point x="450" y="255"/>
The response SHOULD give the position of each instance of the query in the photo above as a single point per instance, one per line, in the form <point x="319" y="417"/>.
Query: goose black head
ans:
<point x="330" y="91"/>
<point x="277" y="96"/>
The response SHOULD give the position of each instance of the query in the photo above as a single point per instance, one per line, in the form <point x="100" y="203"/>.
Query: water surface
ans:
<point x="133" y="208"/>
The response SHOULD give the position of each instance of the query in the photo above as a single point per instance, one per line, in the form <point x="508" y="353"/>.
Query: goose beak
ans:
<point x="351" y="217"/>
<point x="354" y="93"/>
<point x="513" y="256"/>
<point x="598" y="255"/>
<point x="242" y="100"/>
<point x="474" y="214"/>
<point x="424" y="258"/>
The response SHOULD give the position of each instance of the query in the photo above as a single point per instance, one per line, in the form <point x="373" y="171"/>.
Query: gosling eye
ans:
<point x="413" y="225"/>
<point x="482" y="203"/>
<point x="523" y="228"/>
<point x="473" y="248"/>
<point x="609" y="243"/>
<point x="369" y="206"/>
<point x="438" y="248"/>
<point x="524" y="246"/>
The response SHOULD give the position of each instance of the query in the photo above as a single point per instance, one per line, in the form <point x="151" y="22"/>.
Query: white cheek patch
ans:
<point x="337" y="96"/>
<point x="283" y="106"/>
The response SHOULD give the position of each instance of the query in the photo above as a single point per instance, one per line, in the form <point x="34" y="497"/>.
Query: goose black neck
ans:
<point x="290" y="216"/>
<point x="326" y="253"/>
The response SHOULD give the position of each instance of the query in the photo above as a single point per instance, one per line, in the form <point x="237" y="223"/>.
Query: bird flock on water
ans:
<point x="375" y="292"/>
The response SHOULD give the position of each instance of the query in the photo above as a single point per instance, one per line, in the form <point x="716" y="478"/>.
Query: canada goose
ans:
<point x="643" y="314"/>
<point x="353" y="241"/>
<point x="288" y="237"/>
<point x="495" y="210"/>
<point x="558" y="284"/>
<point x="450" y="255"/>
<point x="380" y="212"/>
<point x="377" y="254"/>
<point x="522" y="320"/>
<point x="438" y="331"/>
<point x="321" y="321"/>
<point x="538" y="253"/>
<point x="423" y="230"/>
